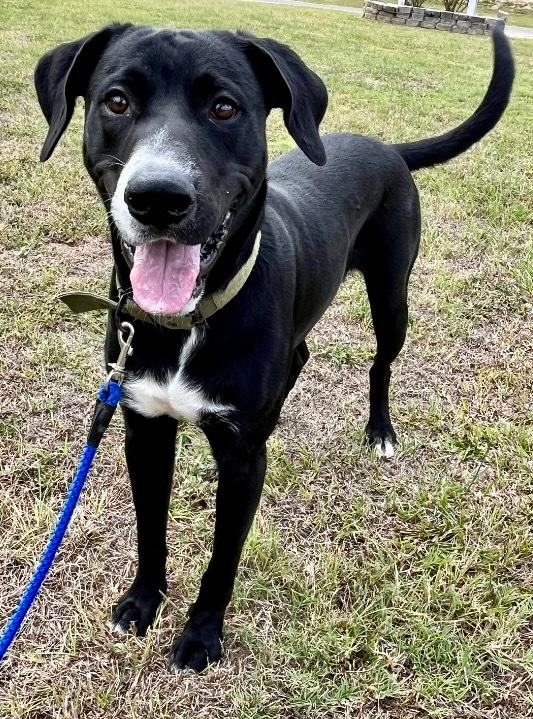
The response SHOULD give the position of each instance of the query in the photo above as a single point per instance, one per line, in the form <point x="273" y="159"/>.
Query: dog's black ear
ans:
<point x="63" y="74"/>
<point x="288" y="83"/>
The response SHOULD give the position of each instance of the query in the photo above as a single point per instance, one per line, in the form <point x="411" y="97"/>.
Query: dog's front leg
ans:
<point x="241" y="471"/>
<point x="150" y="451"/>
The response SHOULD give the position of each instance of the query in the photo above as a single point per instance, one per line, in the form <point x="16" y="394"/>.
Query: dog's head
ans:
<point x="174" y="137"/>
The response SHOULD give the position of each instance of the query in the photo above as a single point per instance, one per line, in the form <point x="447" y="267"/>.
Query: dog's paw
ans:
<point x="138" y="605"/>
<point x="382" y="441"/>
<point x="199" y="645"/>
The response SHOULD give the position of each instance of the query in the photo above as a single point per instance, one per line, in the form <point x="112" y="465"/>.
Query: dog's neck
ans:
<point x="239" y="244"/>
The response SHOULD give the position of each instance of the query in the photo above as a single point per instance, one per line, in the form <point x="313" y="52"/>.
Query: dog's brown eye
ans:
<point x="223" y="110"/>
<point x="117" y="103"/>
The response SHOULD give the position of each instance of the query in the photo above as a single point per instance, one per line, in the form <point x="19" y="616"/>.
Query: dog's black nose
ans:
<point x="159" y="202"/>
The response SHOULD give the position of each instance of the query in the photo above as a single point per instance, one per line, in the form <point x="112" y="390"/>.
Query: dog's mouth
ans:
<point x="166" y="275"/>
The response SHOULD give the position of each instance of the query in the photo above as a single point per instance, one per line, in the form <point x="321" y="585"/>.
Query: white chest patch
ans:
<point x="176" y="395"/>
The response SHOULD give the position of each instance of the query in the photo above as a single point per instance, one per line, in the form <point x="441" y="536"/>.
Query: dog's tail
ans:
<point x="435" y="150"/>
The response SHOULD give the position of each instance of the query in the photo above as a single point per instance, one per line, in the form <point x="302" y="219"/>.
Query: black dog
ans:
<point x="175" y="143"/>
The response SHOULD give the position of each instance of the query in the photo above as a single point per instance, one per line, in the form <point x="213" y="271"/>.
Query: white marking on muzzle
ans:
<point x="156" y="154"/>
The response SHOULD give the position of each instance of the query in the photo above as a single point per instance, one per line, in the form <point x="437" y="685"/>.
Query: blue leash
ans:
<point x="107" y="399"/>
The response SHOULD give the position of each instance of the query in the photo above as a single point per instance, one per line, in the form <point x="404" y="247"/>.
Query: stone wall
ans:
<point x="431" y="19"/>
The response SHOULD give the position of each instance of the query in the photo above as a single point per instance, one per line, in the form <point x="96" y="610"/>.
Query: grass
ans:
<point x="367" y="589"/>
<point x="517" y="16"/>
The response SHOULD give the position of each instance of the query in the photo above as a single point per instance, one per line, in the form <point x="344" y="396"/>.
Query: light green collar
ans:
<point x="207" y="306"/>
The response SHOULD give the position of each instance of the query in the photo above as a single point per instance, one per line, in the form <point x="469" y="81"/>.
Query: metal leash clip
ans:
<point x="126" y="350"/>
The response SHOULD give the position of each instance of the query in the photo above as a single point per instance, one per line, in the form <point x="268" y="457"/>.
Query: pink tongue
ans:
<point x="164" y="276"/>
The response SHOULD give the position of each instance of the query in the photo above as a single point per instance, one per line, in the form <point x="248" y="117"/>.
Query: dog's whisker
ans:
<point x="118" y="160"/>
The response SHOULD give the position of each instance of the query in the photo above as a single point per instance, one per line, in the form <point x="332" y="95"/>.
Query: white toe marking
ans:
<point x="384" y="450"/>
<point x="116" y="628"/>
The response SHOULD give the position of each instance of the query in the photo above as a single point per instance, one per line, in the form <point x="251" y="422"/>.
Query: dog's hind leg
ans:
<point x="389" y="316"/>
<point x="150" y="450"/>
<point x="386" y="267"/>
<point x="299" y="360"/>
